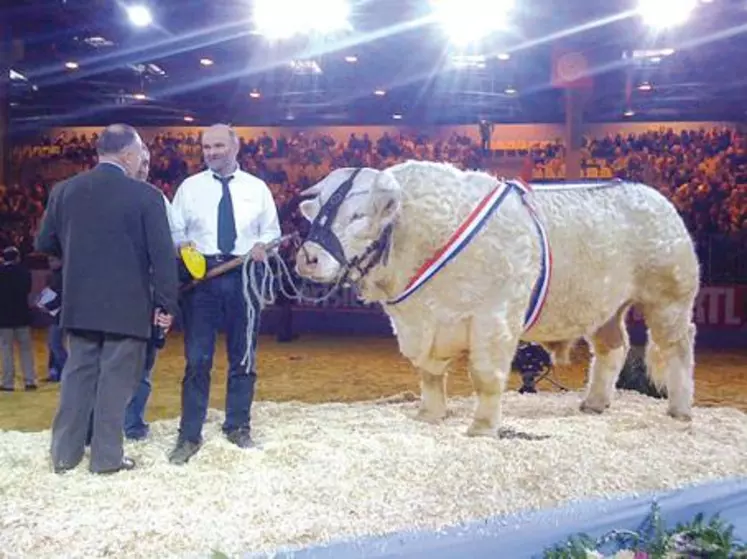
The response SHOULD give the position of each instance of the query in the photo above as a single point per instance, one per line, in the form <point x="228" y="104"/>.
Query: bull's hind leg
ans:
<point x="610" y="346"/>
<point x="492" y="349"/>
<point x="670" y="359"/>
<point x="432" y="390"/>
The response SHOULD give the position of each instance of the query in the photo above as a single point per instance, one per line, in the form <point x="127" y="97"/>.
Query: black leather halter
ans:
<point x="321" y="228"/>
<point x="321" y="233"/>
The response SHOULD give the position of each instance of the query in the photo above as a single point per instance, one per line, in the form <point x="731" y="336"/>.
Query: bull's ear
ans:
<point x="384" y="201"/>
<point x="336" y="177"/>
<point x="313" y="190"/>
<point x="309" y="208"/>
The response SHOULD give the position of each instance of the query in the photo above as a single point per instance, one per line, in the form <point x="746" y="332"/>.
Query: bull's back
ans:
<point x="603" y="237"/>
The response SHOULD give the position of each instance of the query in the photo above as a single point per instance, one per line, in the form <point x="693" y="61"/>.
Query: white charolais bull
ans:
<point x="548" y="264"/>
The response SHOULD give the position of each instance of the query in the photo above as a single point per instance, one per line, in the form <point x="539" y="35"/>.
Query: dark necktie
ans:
<point x="226" y="222"/>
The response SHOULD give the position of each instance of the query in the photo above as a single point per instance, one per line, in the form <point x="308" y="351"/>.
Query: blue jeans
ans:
<point x="135" y="426"/>
<point x="57" y="351"/>
<point x="215" y="305"/>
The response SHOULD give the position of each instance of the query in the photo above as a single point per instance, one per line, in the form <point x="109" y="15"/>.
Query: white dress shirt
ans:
<point x="194" y="212"/>
<point x="169" y="211"/>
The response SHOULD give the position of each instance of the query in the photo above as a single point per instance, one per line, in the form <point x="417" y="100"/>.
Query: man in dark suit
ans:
<point x="112" y="233"/>
<point x="15" y="319"/>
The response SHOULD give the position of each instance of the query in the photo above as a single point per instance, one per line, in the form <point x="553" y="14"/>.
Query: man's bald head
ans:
<point x="121" y="144"/>
<point x="220" y="148"/>
<point x="222" y="129"/>
<point x="115" y="138"/>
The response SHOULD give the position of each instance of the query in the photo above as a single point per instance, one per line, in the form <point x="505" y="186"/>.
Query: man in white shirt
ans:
<point x="223" y="212"/>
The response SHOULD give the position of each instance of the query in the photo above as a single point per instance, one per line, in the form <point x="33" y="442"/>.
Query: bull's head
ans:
<point x="351" y="214"/>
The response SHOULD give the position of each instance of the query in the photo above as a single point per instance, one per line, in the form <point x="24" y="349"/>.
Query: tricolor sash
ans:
<point x="472" y="225"/>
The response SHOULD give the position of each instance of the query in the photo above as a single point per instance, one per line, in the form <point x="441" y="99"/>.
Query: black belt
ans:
<point x="219" y="258"/>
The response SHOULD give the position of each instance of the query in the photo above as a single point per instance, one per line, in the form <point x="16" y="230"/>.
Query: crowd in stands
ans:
<point x="704" y="172"/>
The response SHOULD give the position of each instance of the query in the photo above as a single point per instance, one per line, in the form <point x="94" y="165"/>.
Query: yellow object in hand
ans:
<point x="193" y="261"/>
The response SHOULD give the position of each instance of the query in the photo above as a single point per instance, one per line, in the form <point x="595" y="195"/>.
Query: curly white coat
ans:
<point x="612" y="247"/>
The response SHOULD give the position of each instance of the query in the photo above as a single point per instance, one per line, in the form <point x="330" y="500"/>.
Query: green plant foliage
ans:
<point x="699" y="538"/>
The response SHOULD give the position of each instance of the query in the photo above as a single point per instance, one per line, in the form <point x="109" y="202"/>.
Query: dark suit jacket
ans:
<point x="113" y="236"/>
<point x="15" y="286"/>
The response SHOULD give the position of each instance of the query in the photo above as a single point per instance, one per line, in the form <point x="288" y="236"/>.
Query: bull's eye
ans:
<point x="356" y="217"/>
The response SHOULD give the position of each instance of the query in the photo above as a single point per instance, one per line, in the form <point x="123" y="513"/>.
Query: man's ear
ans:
<point x="309" y="208"/>
<point x="385" y="201"/>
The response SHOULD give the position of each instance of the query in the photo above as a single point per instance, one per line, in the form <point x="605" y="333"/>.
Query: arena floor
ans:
<point x="325" y="369"/>
<point x="323" y="409"/>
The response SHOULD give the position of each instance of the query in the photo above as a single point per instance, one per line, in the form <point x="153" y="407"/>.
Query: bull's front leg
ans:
<point x="432" y="391"/>
<point x="491" y="351"/>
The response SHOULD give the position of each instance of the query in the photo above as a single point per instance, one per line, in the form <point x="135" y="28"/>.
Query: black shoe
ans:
<point x="183" y="451"/>
<point x="6" y="389"/>
<point x="126" y="465"/>
<point x="30" y="387"/>
<point x="63" y="468"/>
<point x="241" y="438"/>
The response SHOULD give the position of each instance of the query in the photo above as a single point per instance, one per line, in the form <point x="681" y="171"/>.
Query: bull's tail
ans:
<point x="670" y="365"/>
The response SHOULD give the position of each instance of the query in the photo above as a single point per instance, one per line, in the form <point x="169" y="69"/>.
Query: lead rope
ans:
<point x="263" y="292"/>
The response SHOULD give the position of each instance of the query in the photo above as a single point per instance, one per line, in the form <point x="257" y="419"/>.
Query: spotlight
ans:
<point x="662" y="14"/>
<point x="468" y="21"/>
<point x="282" y="19"/>
<point x="139" y="15"/>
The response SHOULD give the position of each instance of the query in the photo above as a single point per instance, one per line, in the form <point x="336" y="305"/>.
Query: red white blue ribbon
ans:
<point x="467" y="231"/>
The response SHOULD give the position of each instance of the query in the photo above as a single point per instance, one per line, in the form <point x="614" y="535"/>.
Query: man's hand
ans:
<point x="179" y="246"/>
<point x="258" y="252"/>
<point x="163" y="320"/>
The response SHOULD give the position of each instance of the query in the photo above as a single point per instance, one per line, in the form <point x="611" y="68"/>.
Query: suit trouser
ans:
<point x="7" y="349"/>
<point x="100" y="376"/>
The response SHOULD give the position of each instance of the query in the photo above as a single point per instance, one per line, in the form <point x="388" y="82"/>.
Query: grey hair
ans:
<point x="115" y="138"/>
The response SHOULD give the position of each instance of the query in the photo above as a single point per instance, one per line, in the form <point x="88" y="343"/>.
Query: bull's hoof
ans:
<point x="481" y="429"/>
<point x="680" y="415"/>
<point x="593" y="406"/>
<point x="430" y="416"/>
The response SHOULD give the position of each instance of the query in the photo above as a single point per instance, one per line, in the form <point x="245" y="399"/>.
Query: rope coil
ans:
<point x="264" y="291"/>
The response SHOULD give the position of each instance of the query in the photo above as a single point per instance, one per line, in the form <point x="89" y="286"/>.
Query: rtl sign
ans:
<point x="717" y="307"/>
